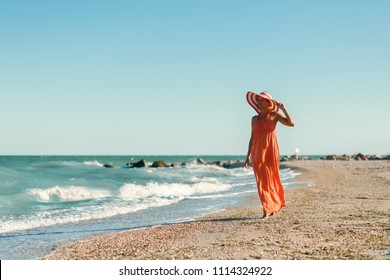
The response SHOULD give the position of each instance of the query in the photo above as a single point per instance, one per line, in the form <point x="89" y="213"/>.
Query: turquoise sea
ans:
<point x="46" y="201"/>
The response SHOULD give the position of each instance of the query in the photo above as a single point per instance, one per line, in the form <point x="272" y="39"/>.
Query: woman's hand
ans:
<point x="285" y="120"/>
<point x="247" y="163"/>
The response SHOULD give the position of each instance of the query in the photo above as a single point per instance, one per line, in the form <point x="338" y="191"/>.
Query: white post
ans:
<point x="296" y="153"/>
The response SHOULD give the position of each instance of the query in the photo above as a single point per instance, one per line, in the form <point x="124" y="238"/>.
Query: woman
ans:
<point x="264" y="150"/>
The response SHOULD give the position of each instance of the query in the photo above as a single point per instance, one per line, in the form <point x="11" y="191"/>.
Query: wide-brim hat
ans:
<point x="253" y="100"/>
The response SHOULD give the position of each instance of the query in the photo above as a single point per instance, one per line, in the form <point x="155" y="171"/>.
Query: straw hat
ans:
<point x="253" y="100"/>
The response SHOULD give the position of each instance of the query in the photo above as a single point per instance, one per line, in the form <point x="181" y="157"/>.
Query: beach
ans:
<point x="345" y="215"/>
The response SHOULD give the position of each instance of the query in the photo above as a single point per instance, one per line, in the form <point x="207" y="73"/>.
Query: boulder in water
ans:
<point x="159" y="163"/>
<point x="237" y="164"/>
<point x="138" y="164"/>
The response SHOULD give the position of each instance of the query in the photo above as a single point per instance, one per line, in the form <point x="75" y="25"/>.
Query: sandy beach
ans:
<point x="345" y="216"/>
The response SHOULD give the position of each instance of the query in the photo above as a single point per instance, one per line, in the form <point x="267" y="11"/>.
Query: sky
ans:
<point x="169" y="77"/>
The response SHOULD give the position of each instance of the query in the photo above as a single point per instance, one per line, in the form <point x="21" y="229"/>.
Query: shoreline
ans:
<point x="344" y="216"/>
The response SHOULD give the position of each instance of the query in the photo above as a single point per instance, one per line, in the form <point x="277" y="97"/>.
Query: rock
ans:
<point x="338" y="157"/>
<point x="108" y="165"/>
<point x="220" y="163"/>
<point x="138" y="164"/>
<point x="294" y="157"/>
<point x="237" y="164"/>
<point x="360" y="156"/>
<point x="375" y="157"/>
<point x="194" y="162"/>
<point x="227" y="163"/>
<point x="286" y="158"/>
<point x="344" y="157"/>
<point x="331" y="157"/>
<point x="159" y="163"/>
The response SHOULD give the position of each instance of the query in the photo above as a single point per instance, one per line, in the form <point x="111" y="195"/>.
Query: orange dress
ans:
<point x="265" y="161"/>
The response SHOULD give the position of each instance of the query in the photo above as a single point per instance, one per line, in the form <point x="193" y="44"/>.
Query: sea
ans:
<point x="46" y="201"/>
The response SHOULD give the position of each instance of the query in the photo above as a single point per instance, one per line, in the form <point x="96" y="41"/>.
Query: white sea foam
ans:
<point x="69" y="193"/>
<point x="93" y="163"/>
<point x="193" y="166"/>
<point x="284" y="175"/>
<point x="215" y="196"/>
<point x="205" y="180"/>
<point x="240" y="172"/>
<point x="235" y="172"/>
<point x="78" y="214"/>
<point x="135" y="192"/>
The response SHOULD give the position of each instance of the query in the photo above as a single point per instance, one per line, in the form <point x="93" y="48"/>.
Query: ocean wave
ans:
<point x="216" y="196"/>
<point x="128" y="199"/>
<point x="290" y="174"/>
<point x="240" y="172"/>
<point x="66" y="194"/>
<point x="78" y="214"/>
<point x="152" y="189"/>
<point x="203" y="167"/>
<point x="204" y="180"/>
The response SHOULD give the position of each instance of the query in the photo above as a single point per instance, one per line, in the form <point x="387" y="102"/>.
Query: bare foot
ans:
<point x="265" y="216"/>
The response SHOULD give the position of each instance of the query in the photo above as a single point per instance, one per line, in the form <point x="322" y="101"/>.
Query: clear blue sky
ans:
<point x="170" y="77"/>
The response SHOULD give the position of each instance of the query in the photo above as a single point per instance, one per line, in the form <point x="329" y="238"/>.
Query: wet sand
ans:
<point x="345" y="216"/>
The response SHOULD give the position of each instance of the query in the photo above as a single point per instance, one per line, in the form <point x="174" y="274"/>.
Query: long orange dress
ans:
<point x="265" y="162"/>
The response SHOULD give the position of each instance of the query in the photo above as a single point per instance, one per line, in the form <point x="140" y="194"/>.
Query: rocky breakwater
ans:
<point x="163" y="164"/>
<point x="240" y="164"/>
<point x="358" y="156"/>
